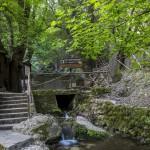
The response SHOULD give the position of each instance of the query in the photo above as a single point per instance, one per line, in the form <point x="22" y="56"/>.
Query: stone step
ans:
<point x="2" y="106"/>
<point x="6" y="94"/>
<point x="13" y="115"/>
<point x="14" y="141"/>
<point x="6" y="126"/>
<point x="13" y="98"/>
<point x="14" y="110"/>
<point x="12" y="120"/>
<point x="13" y="101"/>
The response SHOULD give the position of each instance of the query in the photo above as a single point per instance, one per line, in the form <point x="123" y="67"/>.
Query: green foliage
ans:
<point x="80" y="131"/>
<point x="26" y="24"/>
<point x="20" y="24"/>
<point x="50" y="29"/>
<point x="100" y="90"/>
<point x="98" y="27"/>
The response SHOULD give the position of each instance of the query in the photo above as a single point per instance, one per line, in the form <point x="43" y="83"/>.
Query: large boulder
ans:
<point x="84" y="129"/>
<point x="41" y="127"/>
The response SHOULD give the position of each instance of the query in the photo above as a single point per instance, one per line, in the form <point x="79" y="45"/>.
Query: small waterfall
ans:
<point x="67" y="116"/>
<point x="67" y="134"/>
<point x="62" y="136"/>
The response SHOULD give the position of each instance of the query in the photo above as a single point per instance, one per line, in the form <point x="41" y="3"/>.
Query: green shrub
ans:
<point x="100" y="90"/>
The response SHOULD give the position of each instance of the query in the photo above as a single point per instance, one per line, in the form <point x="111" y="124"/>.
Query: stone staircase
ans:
<point x="13" y="109"/>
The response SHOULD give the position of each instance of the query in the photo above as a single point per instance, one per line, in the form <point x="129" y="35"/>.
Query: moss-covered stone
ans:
<point x="132" y="121"/>
<point x="40" y="127"/>
<point x="45" y="101"/>
<point x="82" y="132"/>
<point x="42" y="130"/>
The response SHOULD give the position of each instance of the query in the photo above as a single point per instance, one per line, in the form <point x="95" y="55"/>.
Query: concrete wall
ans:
<point x="56" y="81"/>
<point x="45" y="100"/>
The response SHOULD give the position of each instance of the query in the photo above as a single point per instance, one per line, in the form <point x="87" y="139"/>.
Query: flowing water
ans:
<point x="113" y="143"/>
<point x="66" y="116"/>
<point x="67" y="138"/>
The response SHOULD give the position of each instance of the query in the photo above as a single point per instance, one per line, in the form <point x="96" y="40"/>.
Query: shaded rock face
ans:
<point x="41" y="127"/>
<point x="133" y="89"/>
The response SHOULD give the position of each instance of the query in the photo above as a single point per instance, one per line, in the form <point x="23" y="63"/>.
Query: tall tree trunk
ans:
<point x="11" y="71"/>
<point x="14" y="76"/>
<point x="4" y="69"/>
<point x="16" y="65"/>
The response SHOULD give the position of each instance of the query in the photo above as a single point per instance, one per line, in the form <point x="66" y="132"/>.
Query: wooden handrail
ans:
<point x="72" y="73"/>
<point x="29" y="93"/>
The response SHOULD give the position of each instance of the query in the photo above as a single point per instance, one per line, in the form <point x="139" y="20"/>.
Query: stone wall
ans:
<point x="120" y="119"/>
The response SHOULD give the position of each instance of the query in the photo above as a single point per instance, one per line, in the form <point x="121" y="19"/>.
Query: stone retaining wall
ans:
<point x="121" y="119"/>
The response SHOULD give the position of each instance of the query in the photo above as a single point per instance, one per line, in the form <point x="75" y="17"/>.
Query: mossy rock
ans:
<point x="82" y="132"/>
<point x="42" y="131"/>
<point x="47" y="131"/>
<point x="40" y="127"/>
<point x="56" y="111"/>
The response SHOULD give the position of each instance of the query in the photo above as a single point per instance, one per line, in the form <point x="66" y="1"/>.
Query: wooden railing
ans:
<point x="29" y="93"/>
<point x="70" y="79"/>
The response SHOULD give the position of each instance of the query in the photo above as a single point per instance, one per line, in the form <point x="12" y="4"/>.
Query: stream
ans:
<point x="112" y="143"/>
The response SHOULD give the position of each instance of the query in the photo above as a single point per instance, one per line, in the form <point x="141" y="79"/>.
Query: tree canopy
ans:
<point x="95" y="26"/>
<point x="45" y="30"/>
